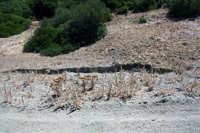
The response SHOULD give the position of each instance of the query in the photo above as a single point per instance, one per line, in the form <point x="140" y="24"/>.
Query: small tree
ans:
<point x="87" y="23"/>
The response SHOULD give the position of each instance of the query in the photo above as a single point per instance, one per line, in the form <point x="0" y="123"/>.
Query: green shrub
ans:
<point x="70" y="48"/>
<point x="115" y="5"/>
<point x="45" y="22"/>
<point x="52" y="50"/>
<point x="62" y="35"/>
<point x="43" y="8"/>
<point x="17" y="7"/>
<point x="112" y="4"/>
<point x="67" y="4"/>
<point x="87" y="19"/>
<point x="163" y="3"/>
<point x="41" y="40"/>
<point x="11" y="24"/>
<point x="101" y="31"/>
<point x="142" y="20"/>
<point x="184" y="8"/>
<point x="144" y="5"/>
<point x="122" y="10"/>
<point x="62" y="15"/>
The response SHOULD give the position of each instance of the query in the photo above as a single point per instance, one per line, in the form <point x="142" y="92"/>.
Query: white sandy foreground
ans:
<point x="109" y="117"/>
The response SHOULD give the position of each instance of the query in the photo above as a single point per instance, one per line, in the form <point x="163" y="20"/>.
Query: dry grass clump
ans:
<point x="72" y="92"/>
<point x="191" y="88"/>
<point x="6" y="93"/>
<point x="121" y="86"/>
<point x="148" y="79"/>
<point x="88" y="82"/>
<point x="57" y="86"/>
<point x="65" y="94"/>
<point x="164" y="92"/>
<point x="15" y="89"/>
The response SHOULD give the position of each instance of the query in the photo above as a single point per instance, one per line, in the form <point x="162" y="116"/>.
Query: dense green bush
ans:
<point x="17" y="7"/>
<point x="184" y="8"/>
<point x="43" y="8"/>
<point x="87" y="19"/>
<point x="62" y="15"/>
<point x="41" y="40"/>
<point x="142" y="20"/>
<point x="87" y="25"/>
<point x="112" y="4"/>
<point x="68" y="3"/>
<point x="45" y="22"/>
<point x="122" y="10"/>
<point x="78" y="26"/>
<point x="144" y="5"/>
<point x="70" y="48"/>
<point x="52" y="50"/>
<point x="163" y="3"/>
<point x="115" y="5"/>
<point x="11" y="24"/>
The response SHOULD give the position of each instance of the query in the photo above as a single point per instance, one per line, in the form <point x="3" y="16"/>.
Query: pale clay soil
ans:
<point x="125" y="101"/>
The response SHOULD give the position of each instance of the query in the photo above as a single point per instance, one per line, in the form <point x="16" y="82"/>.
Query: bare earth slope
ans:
<point x="161" y="42"/>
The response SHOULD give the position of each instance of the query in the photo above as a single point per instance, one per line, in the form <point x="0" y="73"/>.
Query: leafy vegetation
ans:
<point x="122" y="10"/>
<point x="184" y="8"/>
<point x="142" y="20"/>
<point x="163" y="3"/>
<point x="17" y="7"/>
<point x="70" y="28"/>
<point x="41" y="40"/>
<point x="144" y="5"/>
<point x="119" y="6"/>
<point x="43" y="8"/>
<point x="11" y="24"/>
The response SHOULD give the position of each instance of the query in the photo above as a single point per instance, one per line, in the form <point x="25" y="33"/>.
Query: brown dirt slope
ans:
<point x="162" y="42"/>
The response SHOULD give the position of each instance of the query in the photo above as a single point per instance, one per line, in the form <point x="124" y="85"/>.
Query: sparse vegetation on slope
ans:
<point x="79" y="23"/>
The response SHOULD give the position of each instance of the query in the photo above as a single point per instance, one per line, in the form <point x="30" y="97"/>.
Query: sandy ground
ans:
<point x="125" y="101"/>
<point x="105" y="117"/>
